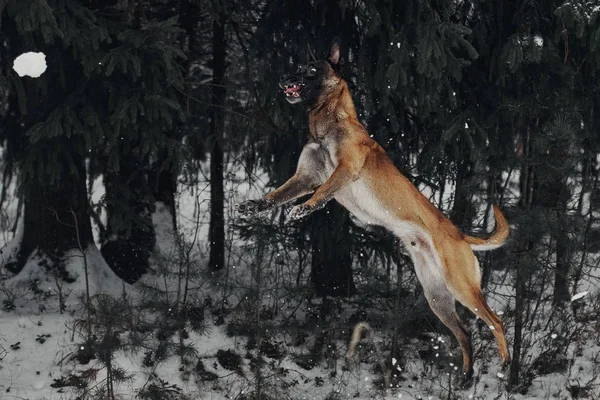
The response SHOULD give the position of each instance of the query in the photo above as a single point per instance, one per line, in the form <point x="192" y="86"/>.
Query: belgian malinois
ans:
<point x="341" y="162"/>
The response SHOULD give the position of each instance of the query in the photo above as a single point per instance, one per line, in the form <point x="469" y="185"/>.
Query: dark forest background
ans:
<point x="481" y="102"/>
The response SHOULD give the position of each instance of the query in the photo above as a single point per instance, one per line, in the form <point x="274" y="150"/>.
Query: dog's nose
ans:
<point x="282" y="79"/>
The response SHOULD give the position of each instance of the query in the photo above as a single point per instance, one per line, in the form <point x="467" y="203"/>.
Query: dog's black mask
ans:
<point x="310" y="80"/>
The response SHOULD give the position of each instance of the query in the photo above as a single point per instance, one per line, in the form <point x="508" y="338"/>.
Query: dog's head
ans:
<point x="313" y="79"/>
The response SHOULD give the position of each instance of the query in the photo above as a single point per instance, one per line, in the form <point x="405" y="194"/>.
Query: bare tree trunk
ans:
<point x="331" y="272"/>
<point x="589" y="186"/>
<point x="526" y="185"/>
<point x="462" y="210"/>
<point x="217" y="126"/>
<point x="563" y="262"/>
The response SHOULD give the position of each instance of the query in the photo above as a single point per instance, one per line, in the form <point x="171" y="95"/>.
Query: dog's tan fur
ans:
<point x="342" y="162"/>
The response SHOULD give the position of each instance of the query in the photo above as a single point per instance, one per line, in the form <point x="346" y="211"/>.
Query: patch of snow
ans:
<point x="100" y="277"/>
<point x="579" y="296"/>
<point x="585" y="203"/>
<point x="30" y="64"/>
<point x="11" y="248"/>
<point x="538" y="40"/>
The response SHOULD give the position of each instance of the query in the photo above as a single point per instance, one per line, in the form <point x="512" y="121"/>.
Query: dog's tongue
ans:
<point x="292" y="89"/>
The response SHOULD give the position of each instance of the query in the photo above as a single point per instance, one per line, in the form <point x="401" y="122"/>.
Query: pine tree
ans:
<point x="142" y="97"/>
<point x="51" y="125"/>
<point x="530" y="91"/>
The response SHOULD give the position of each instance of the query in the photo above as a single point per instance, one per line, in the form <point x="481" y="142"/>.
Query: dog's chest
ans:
<point x="360" y="199"/>
<point x="328" y="150"/>
<point x="357" y="196"/>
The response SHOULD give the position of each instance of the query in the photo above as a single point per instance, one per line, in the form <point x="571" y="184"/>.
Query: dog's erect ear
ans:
<point x="333" y="57"/>
<point x="311" y="55"/>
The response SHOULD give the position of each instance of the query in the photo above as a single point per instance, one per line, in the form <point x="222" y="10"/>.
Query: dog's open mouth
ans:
<point x="293" y="90"/>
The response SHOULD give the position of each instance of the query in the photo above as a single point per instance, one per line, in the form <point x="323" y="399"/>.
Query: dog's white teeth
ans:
<point x="296" y="94"/>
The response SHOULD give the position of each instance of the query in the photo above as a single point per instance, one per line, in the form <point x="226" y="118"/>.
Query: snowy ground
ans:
<point x="38" y="342"/>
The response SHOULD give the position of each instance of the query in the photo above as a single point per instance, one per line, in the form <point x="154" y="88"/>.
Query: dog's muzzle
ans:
<point x="291" y="86"/>
<point x="293" y="90"/>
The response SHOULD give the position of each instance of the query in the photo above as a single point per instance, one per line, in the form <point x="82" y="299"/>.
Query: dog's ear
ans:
<point x="311" y="56"/>
<point x="333" y="57"/>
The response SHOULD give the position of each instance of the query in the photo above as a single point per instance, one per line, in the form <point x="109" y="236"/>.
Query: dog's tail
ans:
<point x="497" y="239"/>
<point x="356" y="334"/>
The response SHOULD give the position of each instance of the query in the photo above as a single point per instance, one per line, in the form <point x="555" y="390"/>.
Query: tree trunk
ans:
<point x="462" y="210"/>
<point x="563" y="263"/>
<point x="526" y="184"/>
<point x="331" y="272"/>
<point x="49" y="226"/>
<point x="163" y="184"/>
<point x="554" y="195"/>
<point x="217" y="126"/>
<point x="129" y="206"/>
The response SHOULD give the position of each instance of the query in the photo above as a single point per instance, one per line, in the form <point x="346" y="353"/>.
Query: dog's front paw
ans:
<point x="300" y="211"/>
<point x="251" y="207"/>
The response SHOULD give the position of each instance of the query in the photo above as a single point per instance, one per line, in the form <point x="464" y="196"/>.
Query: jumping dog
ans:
<point x="341" y="162"/>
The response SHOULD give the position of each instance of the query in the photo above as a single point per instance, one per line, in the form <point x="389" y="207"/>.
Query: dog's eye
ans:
<point x="313" y="70"/>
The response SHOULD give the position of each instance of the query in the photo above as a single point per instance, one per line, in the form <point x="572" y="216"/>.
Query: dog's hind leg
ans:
<point x="470" y="295"/>
<point x="443" y="304"/>
<point x="473" y="299"/>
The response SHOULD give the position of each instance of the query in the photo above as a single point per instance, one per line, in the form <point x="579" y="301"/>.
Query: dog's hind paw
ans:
<point x="464" y="380"/>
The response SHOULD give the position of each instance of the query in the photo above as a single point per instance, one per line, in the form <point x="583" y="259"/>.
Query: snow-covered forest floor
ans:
<point x="44" y="329"/>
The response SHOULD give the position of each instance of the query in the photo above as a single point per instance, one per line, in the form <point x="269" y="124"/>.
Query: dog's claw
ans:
<point x="300" y="211"/>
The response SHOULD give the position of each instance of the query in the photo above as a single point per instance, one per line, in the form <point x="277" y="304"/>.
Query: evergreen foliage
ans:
<point x="478" y="103"/>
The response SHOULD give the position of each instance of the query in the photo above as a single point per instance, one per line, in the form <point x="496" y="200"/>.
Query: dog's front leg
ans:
<point x="296" y="186"/>
<point x="342" y="176"/>
<point x="309" y="175"/>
